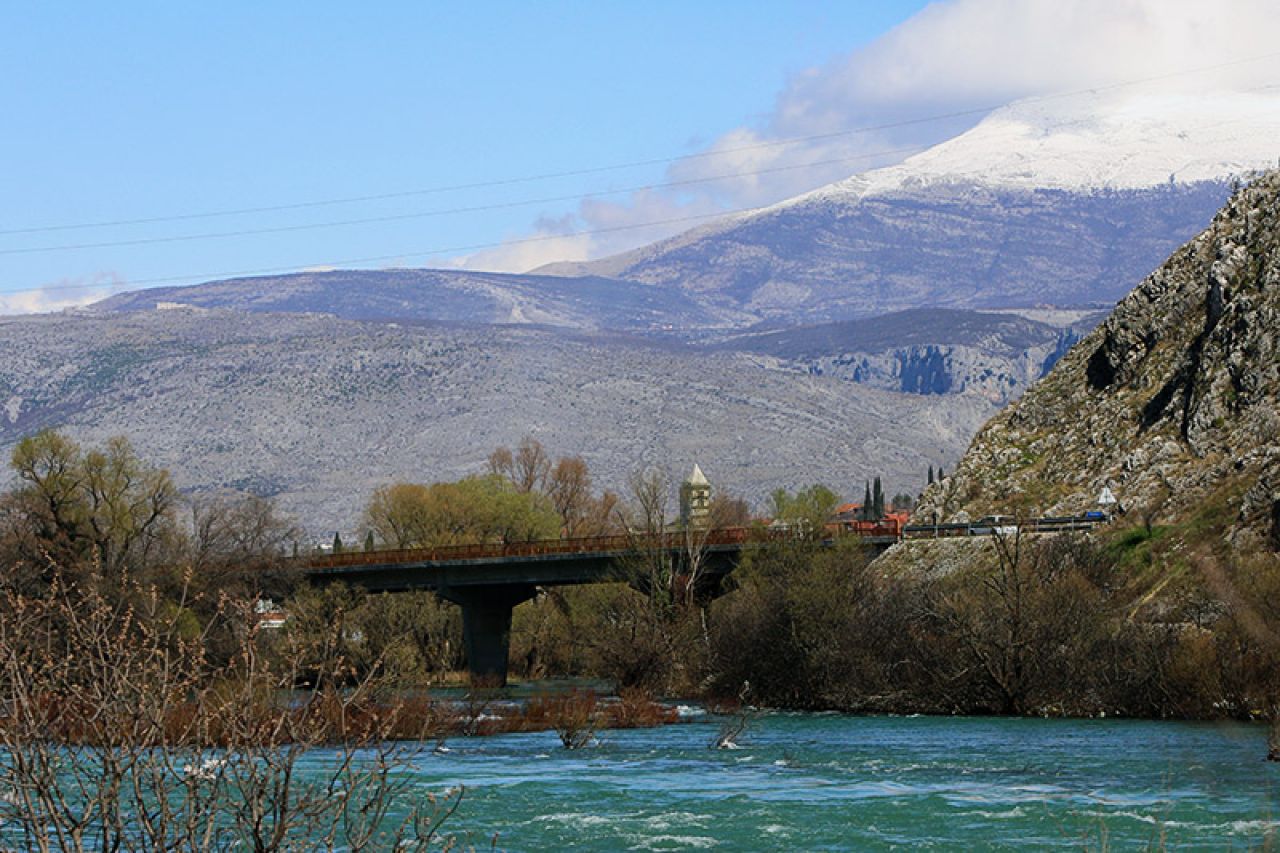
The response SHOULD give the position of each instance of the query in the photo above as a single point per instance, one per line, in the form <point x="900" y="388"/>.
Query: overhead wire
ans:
<point x="397" y="217"/>
<point x="516" y="241"/>
<point x="718" y="152"/>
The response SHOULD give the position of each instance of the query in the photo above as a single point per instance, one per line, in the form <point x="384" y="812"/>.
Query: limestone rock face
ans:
<point x="1173" y="402"/>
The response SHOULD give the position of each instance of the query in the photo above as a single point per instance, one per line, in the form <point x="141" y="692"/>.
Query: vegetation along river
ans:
<point x="834" y="782"/>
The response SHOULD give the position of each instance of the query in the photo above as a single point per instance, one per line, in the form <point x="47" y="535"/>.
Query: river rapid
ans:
<point x="834" y="782"/>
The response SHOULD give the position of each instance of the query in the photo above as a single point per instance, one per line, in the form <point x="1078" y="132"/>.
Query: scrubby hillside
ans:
<point x="319" y="411"/>
<point x="1173" y="402"/>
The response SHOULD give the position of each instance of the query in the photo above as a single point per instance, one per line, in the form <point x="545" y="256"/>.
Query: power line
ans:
<point x="397" y="256"/>
<point x="184" y="238"/>
<point x="446" y="250"/>
<point x="544" y="238"/>
<point x="627" y="165"/>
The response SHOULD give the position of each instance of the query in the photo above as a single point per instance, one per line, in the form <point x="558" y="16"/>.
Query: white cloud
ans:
<point x="953" y="56"/>
<point x="60" y="295"/>
<point x="529" y="252"/>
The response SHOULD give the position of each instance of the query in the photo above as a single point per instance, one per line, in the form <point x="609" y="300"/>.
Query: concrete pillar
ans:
<point x="486" y="628"/>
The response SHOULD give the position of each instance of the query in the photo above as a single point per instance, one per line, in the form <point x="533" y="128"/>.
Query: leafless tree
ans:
<point x="569" y="487"/>
<point x="989" y="618"/>
<point x="240" y="543"/>
<point x="501" y="462"/>
<point x="645" y="520"/>
<point x="120" y="734"/>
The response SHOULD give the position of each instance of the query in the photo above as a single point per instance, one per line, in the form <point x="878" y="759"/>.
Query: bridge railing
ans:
<point x="675" y="541"/>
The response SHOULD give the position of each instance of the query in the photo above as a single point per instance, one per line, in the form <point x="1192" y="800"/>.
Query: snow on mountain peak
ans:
<point x="1128" y="142"/>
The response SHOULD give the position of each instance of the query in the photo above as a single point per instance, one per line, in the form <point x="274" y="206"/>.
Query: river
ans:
<point x="834" y="782"/>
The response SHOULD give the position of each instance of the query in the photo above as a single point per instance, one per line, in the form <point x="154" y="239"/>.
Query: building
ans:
<point x="695" y="499"/>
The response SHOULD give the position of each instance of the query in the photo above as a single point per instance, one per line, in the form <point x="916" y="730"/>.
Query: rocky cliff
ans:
<point x="1173" y="402"/>
<point x="925" y="350"/>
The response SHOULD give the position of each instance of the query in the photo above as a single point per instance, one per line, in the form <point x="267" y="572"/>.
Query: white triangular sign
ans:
<point x="1106" y="497"/>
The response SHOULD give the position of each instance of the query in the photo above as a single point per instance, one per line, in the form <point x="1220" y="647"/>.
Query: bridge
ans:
<point x="487" y="581"/>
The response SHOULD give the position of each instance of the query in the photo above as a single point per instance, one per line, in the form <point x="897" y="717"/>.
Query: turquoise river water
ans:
<point x="833" y="782"/>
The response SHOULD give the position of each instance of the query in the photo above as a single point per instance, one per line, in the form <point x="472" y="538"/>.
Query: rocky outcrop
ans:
<point x="995" y="356"/>
<point x="1173" y="402"/>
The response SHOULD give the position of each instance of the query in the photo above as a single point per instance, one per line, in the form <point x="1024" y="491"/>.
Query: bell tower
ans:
<point x="695" y="499"/>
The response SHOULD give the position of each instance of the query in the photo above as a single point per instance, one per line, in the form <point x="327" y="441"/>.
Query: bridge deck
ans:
<point x="537" y="548"/>
<point x="616" y="548"/>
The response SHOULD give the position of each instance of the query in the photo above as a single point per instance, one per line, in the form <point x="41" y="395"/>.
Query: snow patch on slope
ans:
<point x="1115" y="143"/>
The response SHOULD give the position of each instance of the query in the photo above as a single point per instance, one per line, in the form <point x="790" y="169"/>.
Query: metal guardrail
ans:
<point x="1049" y="524"/>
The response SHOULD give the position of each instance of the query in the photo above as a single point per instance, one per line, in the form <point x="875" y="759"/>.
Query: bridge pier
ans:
<point x="486" y="627"/>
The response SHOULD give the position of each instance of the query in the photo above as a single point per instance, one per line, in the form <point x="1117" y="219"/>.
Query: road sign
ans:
<point x="1106" y="498"/>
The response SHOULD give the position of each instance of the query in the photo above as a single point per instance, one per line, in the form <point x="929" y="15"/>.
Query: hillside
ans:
<point x="1173" y="402"/>
<point x="318" y="411"/>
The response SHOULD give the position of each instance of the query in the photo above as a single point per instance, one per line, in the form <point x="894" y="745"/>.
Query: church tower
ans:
<point x="695" y="499"/>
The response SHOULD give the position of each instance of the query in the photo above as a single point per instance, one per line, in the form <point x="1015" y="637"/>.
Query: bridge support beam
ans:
<point x="486" y="627"/>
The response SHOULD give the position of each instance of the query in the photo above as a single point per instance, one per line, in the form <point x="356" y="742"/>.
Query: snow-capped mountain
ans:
<point x="1059" y="200"/>
<point x="1088" y="144"/>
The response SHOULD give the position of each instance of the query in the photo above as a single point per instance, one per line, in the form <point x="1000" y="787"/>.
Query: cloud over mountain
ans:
<point x="959" y="59"/>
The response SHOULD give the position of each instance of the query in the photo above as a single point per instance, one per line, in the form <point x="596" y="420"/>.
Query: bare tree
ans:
<point x="989" y="619"/>
<point x="528" y="468"/>
<point x="645" y="520"/>
<point x="120" y="734"/>
<point x="531" y="466"/>
<point x="569" y="487"/>
<point x="240" y="543"/>
<point x="501" y="462"/>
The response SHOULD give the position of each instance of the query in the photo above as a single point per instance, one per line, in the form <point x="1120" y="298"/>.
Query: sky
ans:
<point x="260" y="137"/>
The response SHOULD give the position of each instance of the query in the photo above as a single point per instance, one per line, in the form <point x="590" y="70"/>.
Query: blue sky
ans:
<point x="143" y="110"/>
<point x="122" y="111"/>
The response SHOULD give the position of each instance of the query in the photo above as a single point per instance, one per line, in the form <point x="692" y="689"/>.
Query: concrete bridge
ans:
<point x="488" y="581"/>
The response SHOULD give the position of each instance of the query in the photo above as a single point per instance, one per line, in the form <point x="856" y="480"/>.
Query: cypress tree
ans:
<point x="368" y="541"/>
<point x="337" y="542"/>
<point x="941" y="476"/>
<point x="877" y="500"/>
<point x="930" y="475"/>
<point x="866" y="503"/>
